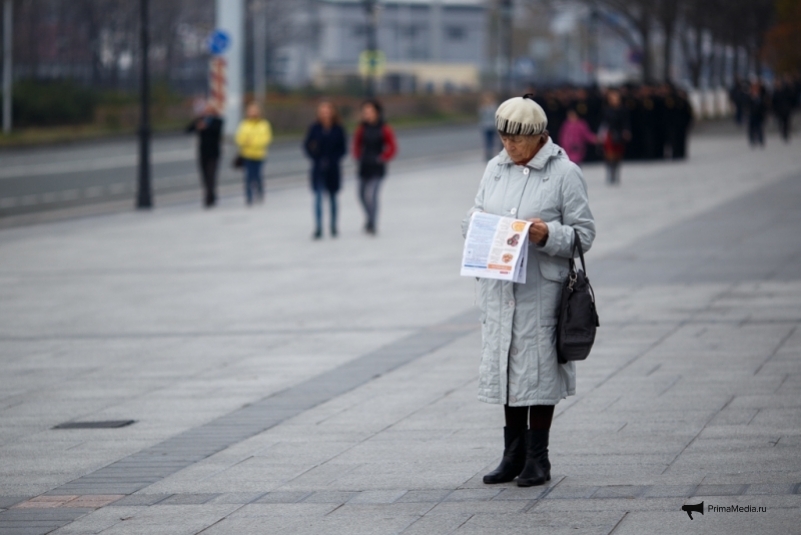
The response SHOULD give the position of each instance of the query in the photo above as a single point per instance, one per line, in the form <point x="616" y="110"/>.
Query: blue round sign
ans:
<point x="219" y="40"/>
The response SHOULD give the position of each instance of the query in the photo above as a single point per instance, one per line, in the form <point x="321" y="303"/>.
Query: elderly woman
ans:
<point x="531" y="179"/>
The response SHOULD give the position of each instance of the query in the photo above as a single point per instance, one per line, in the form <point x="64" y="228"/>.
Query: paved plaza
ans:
<point x="284" y="386"/>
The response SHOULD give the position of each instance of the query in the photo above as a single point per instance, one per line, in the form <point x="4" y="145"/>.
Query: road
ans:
<point x="45" y="179"/>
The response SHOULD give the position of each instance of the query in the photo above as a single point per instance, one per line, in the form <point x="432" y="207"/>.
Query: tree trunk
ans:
<point x="667" y="53"/>
<point x="647" y="64"/>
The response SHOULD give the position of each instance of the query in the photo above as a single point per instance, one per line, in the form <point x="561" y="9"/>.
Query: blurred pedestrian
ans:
<point x="738" y="97"/>
<point x="679" y="119"/>
<point x="617" y="131"/>
<point x="373" y="147"/>
<point x="325" y="144"/>
<point x="519" y="367"/>
<point x="208" y="127"/>
<point x="486" y="114"/>
<point x="253" y="137"/>
<point x="574" y="137"/>
<point x="757" y="110"/>
<point x="783" y="101"/>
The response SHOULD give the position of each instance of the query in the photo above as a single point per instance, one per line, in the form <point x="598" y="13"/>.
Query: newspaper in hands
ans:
<point x="496" y="248"/>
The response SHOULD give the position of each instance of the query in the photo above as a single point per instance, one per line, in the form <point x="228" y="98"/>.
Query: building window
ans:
<point x="410" y="30"/>
<point x="456" y="33"/>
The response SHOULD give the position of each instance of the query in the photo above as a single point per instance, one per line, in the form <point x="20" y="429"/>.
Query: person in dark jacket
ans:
<point x="209" y="131"/>
<point x="617" y="126"/>
<point x="783" y="97"/>
<point x="373" y="146"/>
<point x="325" y="144"/>
<point x="757" y="109"/>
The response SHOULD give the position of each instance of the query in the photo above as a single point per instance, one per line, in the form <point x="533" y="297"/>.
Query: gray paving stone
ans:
<point x="669" y="491"/>
<point x="620" y="491"/>
<point x="188" y="499"/>
<point x="720" y="490"/>
<point x="376" y="497"/>
<point x="472" y="495"/>
<point x="140" y="500"/>
<point x="284" y="496"/>
<point x="771" y="489"/>
<point x="330" y="496"/>
<point x="8" y="501"/>
<point x="424" y="496"/>
<point x="571" y="492"/>
<point x="238" y="497"/>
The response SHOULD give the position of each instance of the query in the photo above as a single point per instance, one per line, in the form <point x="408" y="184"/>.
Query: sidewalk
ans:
<point x="285" y="386"/>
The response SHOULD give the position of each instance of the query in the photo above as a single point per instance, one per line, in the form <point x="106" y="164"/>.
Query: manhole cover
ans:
<point x="108" y="424"/>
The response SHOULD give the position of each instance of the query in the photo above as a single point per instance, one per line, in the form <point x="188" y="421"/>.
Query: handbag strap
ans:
<point x="577" y="245"/>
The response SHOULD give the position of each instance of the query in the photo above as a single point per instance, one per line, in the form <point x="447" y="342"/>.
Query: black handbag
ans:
<point x="578" y="319"/>
<point x="238" y="162"/>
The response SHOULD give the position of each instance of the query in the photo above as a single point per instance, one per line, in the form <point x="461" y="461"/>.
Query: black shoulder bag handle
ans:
<point x="578" y="319"/>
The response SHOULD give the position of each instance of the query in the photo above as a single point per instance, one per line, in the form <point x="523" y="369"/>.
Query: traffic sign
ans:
<point x="219" y="41"/>
<point x="372" y="63"/>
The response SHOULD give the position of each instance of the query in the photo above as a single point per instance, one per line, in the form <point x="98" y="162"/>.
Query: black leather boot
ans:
<point x="538" y="468"/>
<point x="514" y="457"/>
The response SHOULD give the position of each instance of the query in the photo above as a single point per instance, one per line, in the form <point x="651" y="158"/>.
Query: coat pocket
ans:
<point x="553" y="269"/>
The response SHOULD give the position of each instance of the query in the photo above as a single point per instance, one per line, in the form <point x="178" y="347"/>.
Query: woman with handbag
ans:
<point x="325" y="144"/>
<point x="531" y="179"/>
<point x="253" y="137"/>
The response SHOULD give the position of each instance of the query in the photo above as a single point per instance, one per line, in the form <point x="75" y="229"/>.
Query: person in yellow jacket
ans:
<point x="253" y="137"/>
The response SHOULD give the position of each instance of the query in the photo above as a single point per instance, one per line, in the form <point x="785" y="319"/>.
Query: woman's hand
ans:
<point x="538" y="231"/>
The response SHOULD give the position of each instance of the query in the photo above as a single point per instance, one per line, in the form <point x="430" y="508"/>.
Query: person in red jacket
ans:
<point x="373" y="146"/>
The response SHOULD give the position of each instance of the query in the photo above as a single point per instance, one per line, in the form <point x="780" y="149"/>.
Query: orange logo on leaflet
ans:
<point x="507" y="257"/>
<point x="519" y="226"/>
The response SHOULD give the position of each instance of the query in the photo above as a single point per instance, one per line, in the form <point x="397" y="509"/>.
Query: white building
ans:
<point x="429" y="45"/>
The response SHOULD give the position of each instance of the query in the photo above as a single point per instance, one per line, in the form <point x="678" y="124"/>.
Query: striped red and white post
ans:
<point x="217" y="73"/>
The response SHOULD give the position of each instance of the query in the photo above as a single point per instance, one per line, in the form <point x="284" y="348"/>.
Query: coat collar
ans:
<point x="548" y="151"/>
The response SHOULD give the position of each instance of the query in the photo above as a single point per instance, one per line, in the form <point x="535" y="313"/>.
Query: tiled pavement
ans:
<point x="342" y="399"/>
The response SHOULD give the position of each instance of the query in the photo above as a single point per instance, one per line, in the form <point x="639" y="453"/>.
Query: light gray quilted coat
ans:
<point x="518" y="357"/>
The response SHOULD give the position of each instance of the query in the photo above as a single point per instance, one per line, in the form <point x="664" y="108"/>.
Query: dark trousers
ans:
<point x="756" y="132"/>
<point x="208" y="178"/>
<point x="612" y="171"/>
<point x="784" y="125"/>
<point x="368" y="195"/>
<point x="253" y="182"/>
<point x="679" y="145"/>
<point x="319" y="193"/>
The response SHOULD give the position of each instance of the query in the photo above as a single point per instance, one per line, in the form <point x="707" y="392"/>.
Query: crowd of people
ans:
<point x="753" y="104"/>
<point x="657" y="118"/>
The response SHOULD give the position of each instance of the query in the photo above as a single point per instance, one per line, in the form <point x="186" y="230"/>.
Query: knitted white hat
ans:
<point x="520" y="115"/>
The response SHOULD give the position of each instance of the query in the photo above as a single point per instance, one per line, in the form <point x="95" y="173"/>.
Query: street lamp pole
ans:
<point x="507" y="40"/>
<point x="144" y="198"/>
<point x="259" y="51"/>
<point x="595" y="59"/>
<point x="372" y="45"/>
<point x="8" y="25"/>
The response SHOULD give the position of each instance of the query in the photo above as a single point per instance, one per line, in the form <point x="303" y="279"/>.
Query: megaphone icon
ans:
<point x="698" y="508"/>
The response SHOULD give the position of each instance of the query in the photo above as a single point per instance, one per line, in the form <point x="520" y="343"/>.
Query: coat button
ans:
<point x="526" y="171"/>
<point x="513" y="352"/>
<point x="511" y="302"/>
<point x="513" y="211"/>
